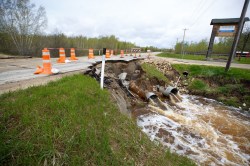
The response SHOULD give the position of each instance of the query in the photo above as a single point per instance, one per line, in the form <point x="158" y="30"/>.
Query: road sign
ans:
<point x="227" y="28"/>
<point x="135" y="50"/>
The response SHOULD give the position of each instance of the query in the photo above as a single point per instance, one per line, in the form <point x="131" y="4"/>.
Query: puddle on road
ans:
<point x="203" y="130"/>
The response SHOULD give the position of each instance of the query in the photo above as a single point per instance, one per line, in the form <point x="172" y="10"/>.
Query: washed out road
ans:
<point x="18" y="73"/>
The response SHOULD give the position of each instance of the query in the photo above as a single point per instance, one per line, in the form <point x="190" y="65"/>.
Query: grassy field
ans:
<point x="243" y="60"/>
<point x="212" y="71"/>
<point x="73" y="122"/>
<point x="230" y="87"/>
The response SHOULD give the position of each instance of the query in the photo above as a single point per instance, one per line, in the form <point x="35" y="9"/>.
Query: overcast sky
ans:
<point x="144" y="22"/>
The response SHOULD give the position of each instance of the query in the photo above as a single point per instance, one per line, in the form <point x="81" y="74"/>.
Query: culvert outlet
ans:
<point x="150" y="95"/>
<point x="168" y="90"/>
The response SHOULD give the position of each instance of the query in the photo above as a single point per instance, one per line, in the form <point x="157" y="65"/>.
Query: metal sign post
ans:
<point x="135" y="50"/>
<point x="103" y="66"/>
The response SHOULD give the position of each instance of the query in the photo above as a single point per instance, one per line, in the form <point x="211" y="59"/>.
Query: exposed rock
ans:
<point x="162" y="65"/>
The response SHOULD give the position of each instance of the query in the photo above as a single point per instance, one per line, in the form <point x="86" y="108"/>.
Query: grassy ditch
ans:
<point x="73" y="122"/>
<point x="232" y="87"/>
<point x="244" y="60"/>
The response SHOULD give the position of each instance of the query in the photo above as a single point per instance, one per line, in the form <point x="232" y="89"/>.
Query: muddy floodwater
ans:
<point x="202" y="129"/>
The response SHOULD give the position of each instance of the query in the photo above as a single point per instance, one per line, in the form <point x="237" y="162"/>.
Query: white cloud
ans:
<point x="145" y="22"/>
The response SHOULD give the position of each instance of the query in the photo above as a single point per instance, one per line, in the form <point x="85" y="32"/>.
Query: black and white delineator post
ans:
<point x="103" y="66"/>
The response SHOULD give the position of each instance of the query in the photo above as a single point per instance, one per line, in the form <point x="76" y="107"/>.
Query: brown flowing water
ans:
<point x="202" y="129"/>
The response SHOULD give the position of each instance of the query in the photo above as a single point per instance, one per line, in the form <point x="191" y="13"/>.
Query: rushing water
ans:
<point x="202" y="129"/>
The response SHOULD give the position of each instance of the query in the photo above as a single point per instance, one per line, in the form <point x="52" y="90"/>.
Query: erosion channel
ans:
<point x="202" y="129"/>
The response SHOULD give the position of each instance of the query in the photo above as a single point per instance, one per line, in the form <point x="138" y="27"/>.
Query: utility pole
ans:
<point x="237" y="37"/>
<point x="182" y="46"/>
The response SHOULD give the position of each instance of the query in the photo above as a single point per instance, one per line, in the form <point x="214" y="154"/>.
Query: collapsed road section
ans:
<point x="19" y="73"/>
<point x="130" y="86"/>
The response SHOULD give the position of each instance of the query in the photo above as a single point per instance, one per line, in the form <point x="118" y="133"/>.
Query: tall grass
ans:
<point x="72" y="122"/>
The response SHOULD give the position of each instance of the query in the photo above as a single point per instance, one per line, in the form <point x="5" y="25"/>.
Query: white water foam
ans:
<point x="205" y="131"/>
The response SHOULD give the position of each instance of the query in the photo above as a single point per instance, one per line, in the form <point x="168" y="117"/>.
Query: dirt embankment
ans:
<point x="131" y="99"/>
<point x="228" y="91"/>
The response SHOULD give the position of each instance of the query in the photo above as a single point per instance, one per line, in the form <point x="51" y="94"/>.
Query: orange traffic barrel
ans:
<point x="39" y="70"/>
<point x="91" y="54"/>
<point x="46" y="63"/>
<point x="73" y="54"/>
<point x="107" y="54"/>
<point x="62" y="56"/>
<point x="112" y="52"/>
<point x="122" y="53"/>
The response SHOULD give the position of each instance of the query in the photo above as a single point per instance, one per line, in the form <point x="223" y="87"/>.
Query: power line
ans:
<point x="202" y="12"/>
<point x="199" y="11"/>
<point x="198" y="8"/>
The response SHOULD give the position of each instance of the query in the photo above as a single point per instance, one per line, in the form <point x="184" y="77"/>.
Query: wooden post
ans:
<point x="211" y="42"/>
<point x="237" y="37"/>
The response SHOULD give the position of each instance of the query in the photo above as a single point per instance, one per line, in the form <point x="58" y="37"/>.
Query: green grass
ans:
<point x="152" y="72"/>
<point x="224" y="86"/>
<point x="73" y="122"/>
<point x="198" y="85"/>
<point x="211" y="71"/>
<point x="243" y="60"/>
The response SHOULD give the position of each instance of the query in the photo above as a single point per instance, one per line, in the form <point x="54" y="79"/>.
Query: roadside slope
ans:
<point x="73" y="122"/>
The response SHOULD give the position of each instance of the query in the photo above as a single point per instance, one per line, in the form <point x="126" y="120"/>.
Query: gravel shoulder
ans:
<point x="206" y="63"/>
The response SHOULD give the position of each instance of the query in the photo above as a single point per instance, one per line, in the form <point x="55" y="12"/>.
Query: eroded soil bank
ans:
<point x="200" y="128"/>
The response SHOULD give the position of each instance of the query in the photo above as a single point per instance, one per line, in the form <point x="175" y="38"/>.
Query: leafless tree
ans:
<point x="21" y="20"/>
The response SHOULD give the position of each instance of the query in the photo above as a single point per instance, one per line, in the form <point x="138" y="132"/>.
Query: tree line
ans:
<point x="22" y="26"/>
<point x="21" y="33"/>
<point x="221" y="46"/>
<point x="57" y="40"/>
<point x="54" y="41"/>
